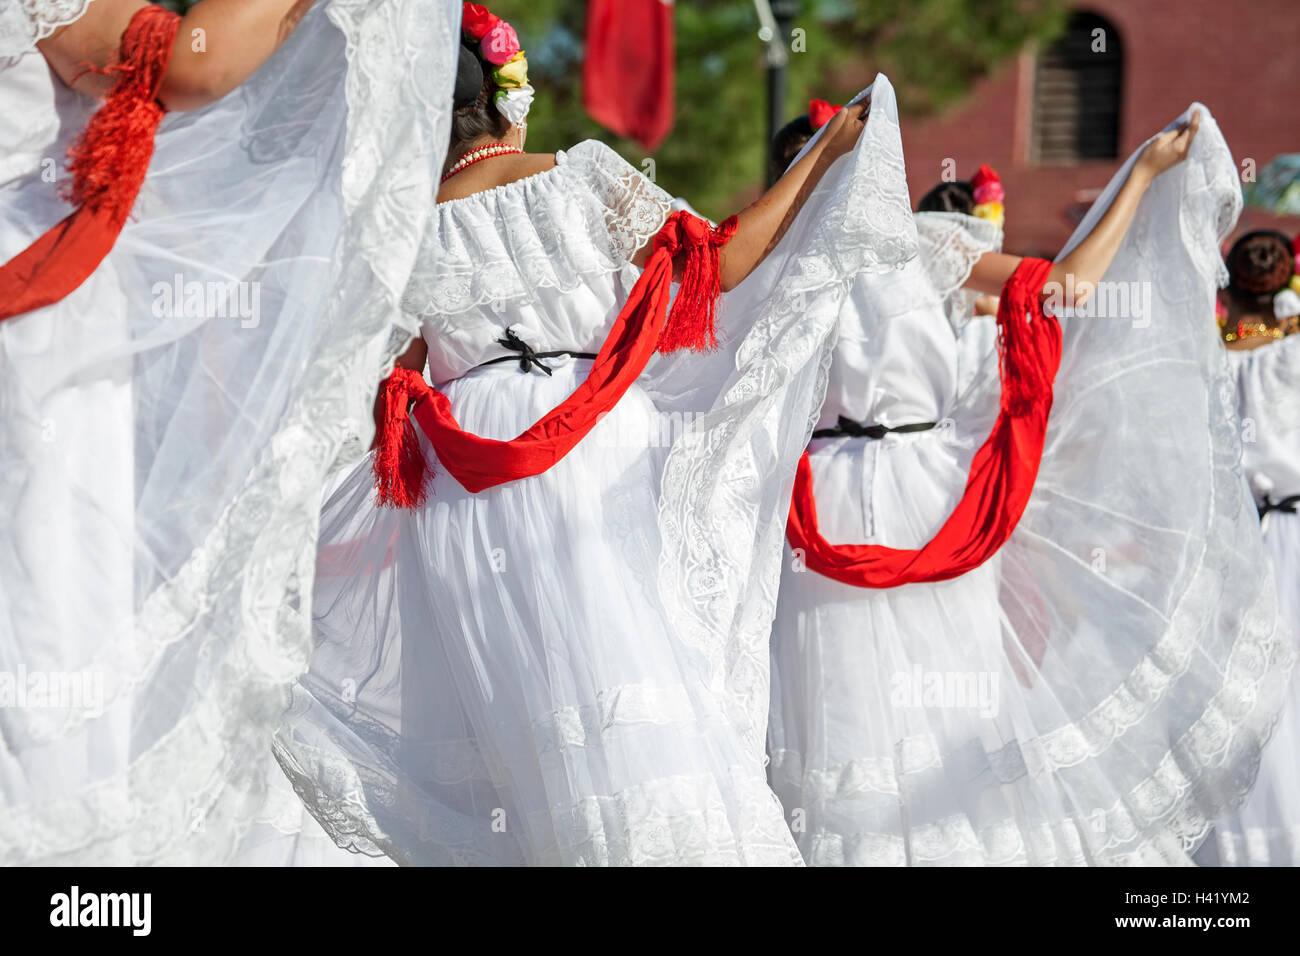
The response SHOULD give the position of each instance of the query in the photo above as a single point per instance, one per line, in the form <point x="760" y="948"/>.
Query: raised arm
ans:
<point x="237" y="36"/>
<point x="762" y="224"/>
<point x="1089" y="260"/>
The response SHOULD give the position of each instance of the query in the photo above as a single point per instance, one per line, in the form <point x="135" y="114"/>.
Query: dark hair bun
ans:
<point x="785" y="146"/>
<point x="955" y="196"/>
<point x="1260" y="263"/>
<point x="469" y="79"/>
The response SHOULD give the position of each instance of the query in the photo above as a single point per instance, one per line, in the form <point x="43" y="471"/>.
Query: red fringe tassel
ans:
<point x="108" y="165"/>
<point x="109" y="160"/>
<point x="401" y="472"/>
<point x="693" y="321"/>
<point x="1025" y="343"/>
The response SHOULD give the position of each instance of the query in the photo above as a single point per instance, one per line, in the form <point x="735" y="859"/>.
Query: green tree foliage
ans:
<point x="933" y="50"/>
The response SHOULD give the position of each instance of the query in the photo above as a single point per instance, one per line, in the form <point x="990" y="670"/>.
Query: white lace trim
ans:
<point x="1161" y="820"/>
<point x="682" y="820"/>
<point x="679" y="820"/>
<point x="1258" y="846"/>
<point x="587" y="216"/>
<point x="573" y="727"/>
<point x="25" y="23"/>
<point x="719" y="568"/>
<point x="949" y="244"/>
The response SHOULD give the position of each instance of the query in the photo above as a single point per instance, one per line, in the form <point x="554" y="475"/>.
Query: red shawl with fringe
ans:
<point x="1002" y="473"/>
<point x="643" y="327"/>
<point x="108" y="166"/>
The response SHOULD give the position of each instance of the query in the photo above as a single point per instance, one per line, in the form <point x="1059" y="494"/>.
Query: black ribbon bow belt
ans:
<point x="1286" y="504"/>
<point x="528" y="357"/>
<point x="848" y="428"/>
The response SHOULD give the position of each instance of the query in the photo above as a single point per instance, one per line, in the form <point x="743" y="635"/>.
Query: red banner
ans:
<point x="627" y="77"/>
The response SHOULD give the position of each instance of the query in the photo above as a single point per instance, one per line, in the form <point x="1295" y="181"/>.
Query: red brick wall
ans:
<point x="1241" y="59"/>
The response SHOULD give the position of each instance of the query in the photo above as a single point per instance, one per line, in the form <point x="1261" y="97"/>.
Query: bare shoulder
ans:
<point x="498" y="171"/>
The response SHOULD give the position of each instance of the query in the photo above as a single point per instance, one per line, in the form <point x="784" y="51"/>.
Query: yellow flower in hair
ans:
<point x="512" y="74"/>
<point x="1295" y="283"/>
<point x="992" y="211"/>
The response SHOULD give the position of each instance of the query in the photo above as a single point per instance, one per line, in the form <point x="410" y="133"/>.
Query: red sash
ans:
<point x="642" y="327"/>
<point x="108" y="166"/>
<point x="1002" y="474"/>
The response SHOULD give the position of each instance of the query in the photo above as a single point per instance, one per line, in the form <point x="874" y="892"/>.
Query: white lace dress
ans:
<point x="163" y="446"/>
<point x="571" y="668"/>
<point x="1100" y="689"/>
<point x="1265" y="829"/>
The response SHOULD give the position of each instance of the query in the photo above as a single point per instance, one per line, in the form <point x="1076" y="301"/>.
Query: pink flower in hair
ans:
<point x="500" y="44"/>
<point x="986" y="186"/>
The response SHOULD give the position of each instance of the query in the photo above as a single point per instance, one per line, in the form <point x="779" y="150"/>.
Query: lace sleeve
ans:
<point x="634" y="207"/>
<point x="949" y="245"/>
<point x="24" y="23"/>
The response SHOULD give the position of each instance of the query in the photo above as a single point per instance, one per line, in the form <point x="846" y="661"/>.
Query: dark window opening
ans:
<point x="1078" y="82"/>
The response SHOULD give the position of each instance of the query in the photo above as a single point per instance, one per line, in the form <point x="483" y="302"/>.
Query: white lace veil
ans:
<point x="309" y="187"/>
<point x="726" y="486"/>
<point x="1137" y="571"/>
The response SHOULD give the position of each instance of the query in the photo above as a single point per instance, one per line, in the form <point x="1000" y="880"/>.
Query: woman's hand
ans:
<point x="1169" y="148"/>
<point x="844" y="129"/>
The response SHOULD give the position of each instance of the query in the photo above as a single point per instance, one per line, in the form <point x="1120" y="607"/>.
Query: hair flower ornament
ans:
<point x="496" y="43"/>
<point x="1287" y="301"/>
<point x="500" y="44"/>
<point x="989" y="196"/>
<point x="515" y="104"/>
<point x="476" y="22"/>
<point x="513" y="74"/>
<point x="820" y="112"/>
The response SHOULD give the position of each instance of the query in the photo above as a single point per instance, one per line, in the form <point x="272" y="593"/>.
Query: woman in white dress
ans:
<point x="1098" y="688"/>
<point x="571" y="667"/>
<point x="1263" y="303"/>
<point x="166" y="425"/>
<point x="972" y="313"/>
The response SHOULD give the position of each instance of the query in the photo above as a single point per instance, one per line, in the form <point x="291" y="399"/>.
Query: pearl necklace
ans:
<point x="480" y="154"/>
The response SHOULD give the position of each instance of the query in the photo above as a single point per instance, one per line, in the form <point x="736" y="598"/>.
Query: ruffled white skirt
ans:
<point x="950" y="724"/>
<point x="892" y="710"/>
<point x="495" y="680"/>
<point x="1265" y="829"/>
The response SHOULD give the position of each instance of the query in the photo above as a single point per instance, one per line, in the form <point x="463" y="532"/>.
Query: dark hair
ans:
<point x="474" y="113"/>
<point x="787" y="142"/>
<point x="948" y="197"/>
<point x="1260" y="264"/>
